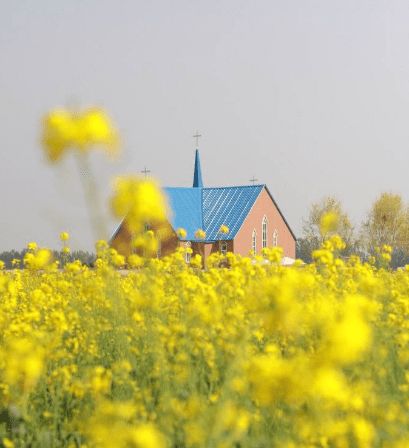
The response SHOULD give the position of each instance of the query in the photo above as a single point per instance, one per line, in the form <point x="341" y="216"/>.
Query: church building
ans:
<point x="250" y="213"/>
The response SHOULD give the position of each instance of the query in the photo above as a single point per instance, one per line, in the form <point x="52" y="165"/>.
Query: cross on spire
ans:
<point x="253" y="180"/>
<point x="145" y="171"/>
<point x="197" y="136"/>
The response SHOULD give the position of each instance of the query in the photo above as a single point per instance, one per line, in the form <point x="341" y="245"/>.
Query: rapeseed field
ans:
<point x="246" y="353"/>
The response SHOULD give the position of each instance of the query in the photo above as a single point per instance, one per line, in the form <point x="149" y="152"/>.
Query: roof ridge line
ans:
<point x="234" y="186"/>
<point x="219" y="188"/>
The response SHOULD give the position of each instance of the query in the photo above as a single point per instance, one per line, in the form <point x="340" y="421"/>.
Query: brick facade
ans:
<point x="264" y="207"/>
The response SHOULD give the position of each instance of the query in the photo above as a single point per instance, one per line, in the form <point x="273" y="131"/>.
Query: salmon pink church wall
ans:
<point x="264" y="206"/>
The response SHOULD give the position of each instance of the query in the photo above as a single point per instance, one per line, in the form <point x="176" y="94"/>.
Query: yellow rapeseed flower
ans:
<point x="181" y="233"/>
<point x="64" y="236"/>
<point x="200" y="234"/>
<point x="224" y="229"/>
<point x="329" y="222"/>
<point x="139" y="201"/>
<point x="32" y="246"/>
<point x="64" y="130"/>
<point x="40" y="259"/>
<point x="7" y="443"/>
<point x="147" y="436"/>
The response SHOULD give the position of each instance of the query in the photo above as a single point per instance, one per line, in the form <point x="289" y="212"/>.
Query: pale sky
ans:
<point x="309" y="96"/>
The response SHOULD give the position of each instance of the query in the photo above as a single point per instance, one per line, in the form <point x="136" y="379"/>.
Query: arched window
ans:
<point x="223" y="247"/>
<point x="254" y="242"/>
<point x="188" y="255"/>
<point x="275" y="237"/>
<point x="264" y="232"/>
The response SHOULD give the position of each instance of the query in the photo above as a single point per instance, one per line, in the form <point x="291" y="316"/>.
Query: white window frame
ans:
<point x="275" y="238"/>
<point x="264" y="232"/>
<point x="254" y="242"/>
<point x="223" y="247"/>
<point x="188" y="255"/>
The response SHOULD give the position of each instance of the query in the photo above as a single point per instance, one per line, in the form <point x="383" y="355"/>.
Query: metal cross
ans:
<point x="145" y="172"/>
<point x="197" y="136"/>
<point x="253" y="180"/>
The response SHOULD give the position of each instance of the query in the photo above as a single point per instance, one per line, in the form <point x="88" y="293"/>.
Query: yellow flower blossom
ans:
<point x="7" y="443"/>
<point x="224" y="229"/>
<point x="38" y="260"/>
<point x="32" y="246"/>
<point x="139" y="201"/>
<point x="329" y="222"/>
<point x="64" y="236"/>
<point x="200" y="234"/>
<point x="147" y="242"/>
<point x="64" y="130"/>
<point x="181" y="233"/>
<point x="135" y="261"/>
<point x="147" y="436"/>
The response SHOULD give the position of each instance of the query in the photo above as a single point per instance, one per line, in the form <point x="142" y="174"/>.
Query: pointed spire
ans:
<point x="197" y="176"/>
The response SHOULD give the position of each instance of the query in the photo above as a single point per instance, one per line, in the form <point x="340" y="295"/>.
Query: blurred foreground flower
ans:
<point x="24" y="364"/>
<point x="38" y="259"/>
<point x="114" y="420"/>
<point x="140" y="201"/>
<point x="329" y="223"/>
<point x="147" y="243"/>
<point x="63" y="130"/>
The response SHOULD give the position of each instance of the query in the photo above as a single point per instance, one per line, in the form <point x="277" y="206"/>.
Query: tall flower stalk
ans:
<point x="81" y="132"/>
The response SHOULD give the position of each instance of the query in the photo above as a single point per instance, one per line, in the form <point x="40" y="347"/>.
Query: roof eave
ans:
<point x="281" y="213"/>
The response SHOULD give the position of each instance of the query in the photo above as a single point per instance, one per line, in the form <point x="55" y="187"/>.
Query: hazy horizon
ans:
<point x="311" y="98"/>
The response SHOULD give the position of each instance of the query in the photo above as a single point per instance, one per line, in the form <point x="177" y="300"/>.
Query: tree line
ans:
<point x="14" y="259"/>
<point x="387" y="222"/>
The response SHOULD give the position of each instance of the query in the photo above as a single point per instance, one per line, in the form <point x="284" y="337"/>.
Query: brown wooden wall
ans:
<point x="122" y="240"/>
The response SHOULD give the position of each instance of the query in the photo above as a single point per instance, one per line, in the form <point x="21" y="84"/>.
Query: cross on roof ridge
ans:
<point x="145" y="171"/>
<point x="197" y="136"/>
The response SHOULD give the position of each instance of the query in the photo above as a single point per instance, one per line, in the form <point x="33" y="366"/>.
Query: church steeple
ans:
<point x="197" y="176"/>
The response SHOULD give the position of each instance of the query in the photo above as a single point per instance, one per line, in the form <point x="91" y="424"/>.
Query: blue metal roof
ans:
<point x="209" y="208"/>
<point x="186" y="209"/>
<point x="229" y="206"/>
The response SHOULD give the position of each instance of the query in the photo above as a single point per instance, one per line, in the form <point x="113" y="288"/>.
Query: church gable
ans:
<point x="275" y="231"/>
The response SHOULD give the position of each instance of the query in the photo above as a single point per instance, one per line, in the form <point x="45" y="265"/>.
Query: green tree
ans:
<point x="387" y="223"/>
<point x="316" y="228"/>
